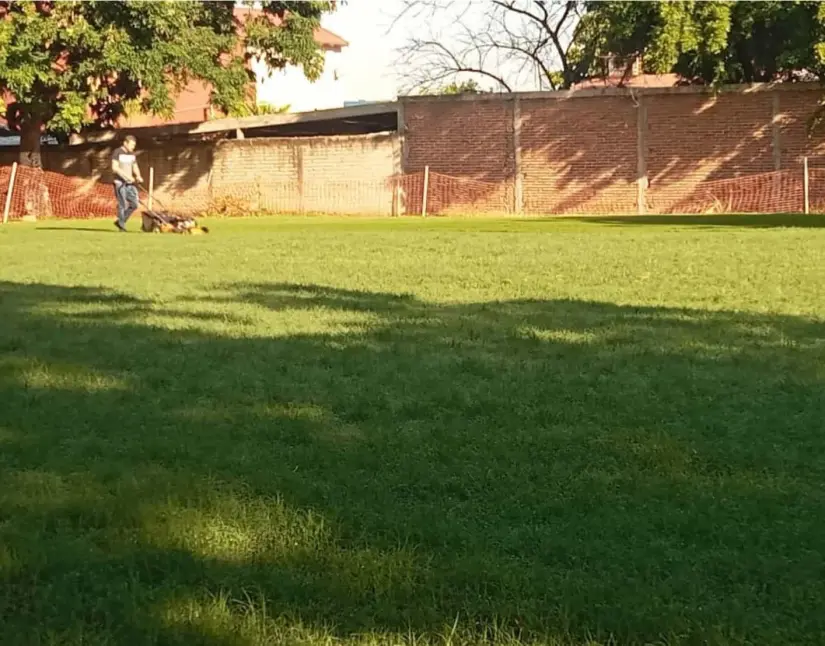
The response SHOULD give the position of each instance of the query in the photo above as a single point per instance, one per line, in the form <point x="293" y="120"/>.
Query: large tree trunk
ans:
<point x="33" y="188"/>
<point x="30" y="144"/>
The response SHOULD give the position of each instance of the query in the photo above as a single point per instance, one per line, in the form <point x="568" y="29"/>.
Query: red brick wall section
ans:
<point x="579" y="156"/>
<point x="468" y="146"/>
<point x="794" y="110"/>
<point x="693" y="139"/>
<point x="473" y="139"/>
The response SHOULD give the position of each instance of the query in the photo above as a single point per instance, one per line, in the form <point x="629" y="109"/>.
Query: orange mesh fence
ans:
<point x="409" y="193"/>
<point x="396" y="195"/>
<point x="776" y="192"/>
<point x="451" y="195"/>
<point x="357" y="197"/>
<point x="42" y="193"/>
<point x="816" y="190"/>
<point x="48" y="194"/>
<point x="577" y="197"/>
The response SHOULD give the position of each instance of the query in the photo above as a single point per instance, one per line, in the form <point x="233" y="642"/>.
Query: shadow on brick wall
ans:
<point x="580" y="155"/>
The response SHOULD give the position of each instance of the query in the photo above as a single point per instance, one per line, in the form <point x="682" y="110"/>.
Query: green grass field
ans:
<point x="319" y="431"/>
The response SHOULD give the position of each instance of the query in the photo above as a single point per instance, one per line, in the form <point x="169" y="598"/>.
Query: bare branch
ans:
<point x="505" y="41"/>
<point x="530" y="46"/>
<point x="543" y="19"/>
<point x="438" y="62"/>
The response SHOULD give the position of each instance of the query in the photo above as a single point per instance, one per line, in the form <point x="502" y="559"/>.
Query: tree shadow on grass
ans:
<point x="556" y="469"/>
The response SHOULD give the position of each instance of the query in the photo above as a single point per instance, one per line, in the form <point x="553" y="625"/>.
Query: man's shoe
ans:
<point x="120" y="227"/>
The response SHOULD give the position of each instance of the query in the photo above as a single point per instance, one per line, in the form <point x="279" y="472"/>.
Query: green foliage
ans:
<point x="294" y="42"/>
<point x="465" y="87"/>
<point x="69" y="64"/>
<point x="710" y="42"/>
<point x="251" y="109"/>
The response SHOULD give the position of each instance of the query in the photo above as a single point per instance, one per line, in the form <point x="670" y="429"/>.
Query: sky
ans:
<point x="366" y="65"/>
<point x="368" y="69"/>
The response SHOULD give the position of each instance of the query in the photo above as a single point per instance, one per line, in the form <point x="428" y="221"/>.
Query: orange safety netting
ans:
<point x="48" y="194"/>
<point x="776" y="192"/>
<point x="41" y="193"/>
<point x="452" y="195"/>
<point x="395" y="195"/>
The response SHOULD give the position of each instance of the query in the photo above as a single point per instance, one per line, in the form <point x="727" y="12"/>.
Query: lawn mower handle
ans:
<point x="141" y="188"/>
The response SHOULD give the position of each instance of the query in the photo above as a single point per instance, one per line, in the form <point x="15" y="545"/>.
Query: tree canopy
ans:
<point x="71" y="64"/>
<point x="554" y="44"/>
<point x="713" y="42"/>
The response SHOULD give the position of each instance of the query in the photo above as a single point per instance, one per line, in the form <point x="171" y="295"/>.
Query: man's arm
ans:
<point x="116" y="170"/>
<point x="138" y="176"/>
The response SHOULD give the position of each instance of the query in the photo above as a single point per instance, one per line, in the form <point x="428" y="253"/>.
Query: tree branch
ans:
<point x="450" y="65"/>
<point x="502" y="43"/>
<point x="544" y="21"/>
<point x="530" y="50"/>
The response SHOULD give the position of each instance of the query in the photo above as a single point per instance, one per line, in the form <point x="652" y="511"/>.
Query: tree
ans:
<point x="255" y="109"/>
<point x="72" y="64"/>
<point x="712" y="42"/>
<point x="510" y="42"/>
<point x="464" y="87"/>
<point x="559" y="43"/>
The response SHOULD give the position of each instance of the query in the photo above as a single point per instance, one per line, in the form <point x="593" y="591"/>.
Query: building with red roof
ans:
<point x="620" y="74"/>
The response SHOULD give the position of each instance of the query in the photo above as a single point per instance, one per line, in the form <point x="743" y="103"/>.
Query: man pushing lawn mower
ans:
<point x="126" y="173"/>
<point x="127" y="177"/>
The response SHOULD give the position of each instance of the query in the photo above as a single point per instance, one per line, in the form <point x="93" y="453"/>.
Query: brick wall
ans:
<point x="793" y="110"/>
<point x="347" y="175"/>
<point x="612" y="151"/>
<point x="694" y="138"/>
<point x="607" y="151"/>
<point x="470" y="142"/>
<point x="312" y="174"/>
<point x="567" y="168"/>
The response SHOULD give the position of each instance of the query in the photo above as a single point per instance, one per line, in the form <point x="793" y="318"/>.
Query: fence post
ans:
<point x="151" y="185"/>
<point x="641" y="155"/>
<point x="426" y="189"/>
<point x="8" y="194"/>
<point x="396" y="197"/>
<point x="518" y="181"/>
<point x="805" y="186"/>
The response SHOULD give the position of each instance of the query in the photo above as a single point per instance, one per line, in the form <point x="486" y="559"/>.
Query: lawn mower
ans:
<point x="161" y="221"/>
